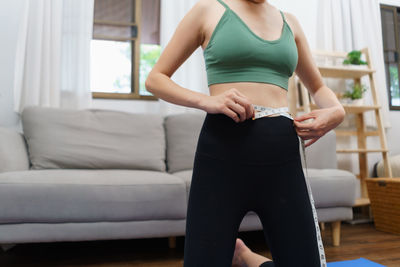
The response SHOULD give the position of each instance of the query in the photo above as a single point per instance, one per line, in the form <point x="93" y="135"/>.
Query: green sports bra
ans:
<point x="236" y="54"/>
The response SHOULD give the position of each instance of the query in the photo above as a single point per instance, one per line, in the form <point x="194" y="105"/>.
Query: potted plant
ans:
<point x="353" y="59"/>
<point x="354" y="96"/>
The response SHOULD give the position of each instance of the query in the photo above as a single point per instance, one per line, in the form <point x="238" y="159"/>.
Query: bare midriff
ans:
<point x="263" y="94"/>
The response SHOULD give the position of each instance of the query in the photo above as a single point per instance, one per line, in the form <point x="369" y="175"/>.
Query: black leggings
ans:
<point x="253" y="165"/>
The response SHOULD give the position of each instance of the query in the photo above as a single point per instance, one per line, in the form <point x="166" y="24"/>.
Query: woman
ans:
<point x="245" y="161"/>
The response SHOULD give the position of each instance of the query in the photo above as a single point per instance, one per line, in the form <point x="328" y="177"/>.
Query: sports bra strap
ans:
<point x="222" y="3"/>
<point x="283" y="16"/>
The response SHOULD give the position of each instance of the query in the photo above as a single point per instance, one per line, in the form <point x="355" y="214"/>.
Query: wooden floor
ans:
<point x="360" y="240"/>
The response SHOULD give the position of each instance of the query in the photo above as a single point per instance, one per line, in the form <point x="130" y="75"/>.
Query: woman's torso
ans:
<point x="263" y="20"/>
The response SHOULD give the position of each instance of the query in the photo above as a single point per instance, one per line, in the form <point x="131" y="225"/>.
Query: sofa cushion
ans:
<point x="182" y="133"/>
<point x="330" y="187"/>
<point x="93" y="139"/>
<point x="90" y="196"/>
<point x="327" y="144"/>
<point x="186" y="176"/>
<point x="13" y="152"/>
<point x="334" y="214"/>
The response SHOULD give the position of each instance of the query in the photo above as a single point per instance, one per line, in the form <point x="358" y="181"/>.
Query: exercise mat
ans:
<point x="361" y="262"/>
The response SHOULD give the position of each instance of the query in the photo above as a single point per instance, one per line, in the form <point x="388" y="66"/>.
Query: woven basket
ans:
<point x="384" y="194"/>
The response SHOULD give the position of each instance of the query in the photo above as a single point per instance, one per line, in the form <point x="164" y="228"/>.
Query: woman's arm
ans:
<point x="331" y="112"/>
<point x="308" y="71"/>
<point x="187" y="38"/>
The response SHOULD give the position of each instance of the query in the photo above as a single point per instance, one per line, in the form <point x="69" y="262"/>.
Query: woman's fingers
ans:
<point x="305" y="134"/>
<point x="249" y="109"/>
<point x="230" y="113"/>
<point x="237" y="108"/>
<point x="305" y="117"/>
<point x="304" y="126"/>
<point x="311" y="142"/>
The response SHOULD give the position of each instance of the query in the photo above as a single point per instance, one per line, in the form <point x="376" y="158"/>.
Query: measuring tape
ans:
<point x="262" y="111"/>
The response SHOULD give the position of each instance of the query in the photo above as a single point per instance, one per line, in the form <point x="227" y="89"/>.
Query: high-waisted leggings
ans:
<point x="253" y="165"/>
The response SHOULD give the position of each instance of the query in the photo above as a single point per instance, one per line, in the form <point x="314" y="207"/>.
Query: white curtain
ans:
<point x="75" y="68"/>
<point x="52" y="55"/>
<point x="191" y="74"/>
<point x="346" y="25"/>
<point x="36" y="74"/>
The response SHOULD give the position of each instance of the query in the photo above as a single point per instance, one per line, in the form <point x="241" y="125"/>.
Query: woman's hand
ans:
<point x="325" y="119"/>
<point x="231" y="103"/>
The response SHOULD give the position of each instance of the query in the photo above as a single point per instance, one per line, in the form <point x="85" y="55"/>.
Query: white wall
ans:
<point x="305" y="11"/>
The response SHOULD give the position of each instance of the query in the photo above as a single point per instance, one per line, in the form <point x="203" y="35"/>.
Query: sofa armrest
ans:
<point x="322" y="154"/>
<point x="13" y="151"/>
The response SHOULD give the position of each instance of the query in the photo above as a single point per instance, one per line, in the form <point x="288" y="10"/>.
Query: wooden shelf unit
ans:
<point x="300" y="100"/>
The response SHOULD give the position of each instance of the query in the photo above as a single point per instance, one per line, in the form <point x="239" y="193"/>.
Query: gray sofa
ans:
<point x="76" y="175"/>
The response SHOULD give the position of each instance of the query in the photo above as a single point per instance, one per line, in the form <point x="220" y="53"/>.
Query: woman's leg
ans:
<point x="221" y="191"/>
<point x="215" y="210"/>
<point x="253" y="165"/>
<point x="285" y="212"/>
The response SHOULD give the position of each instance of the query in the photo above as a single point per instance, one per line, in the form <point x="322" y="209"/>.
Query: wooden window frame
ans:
<point x="135" y="55"/>
<point x="395" y="11"/>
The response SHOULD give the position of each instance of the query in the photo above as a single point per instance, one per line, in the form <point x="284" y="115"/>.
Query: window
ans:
<point x="124" y="47"/>
<point x="390" y="17"/>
